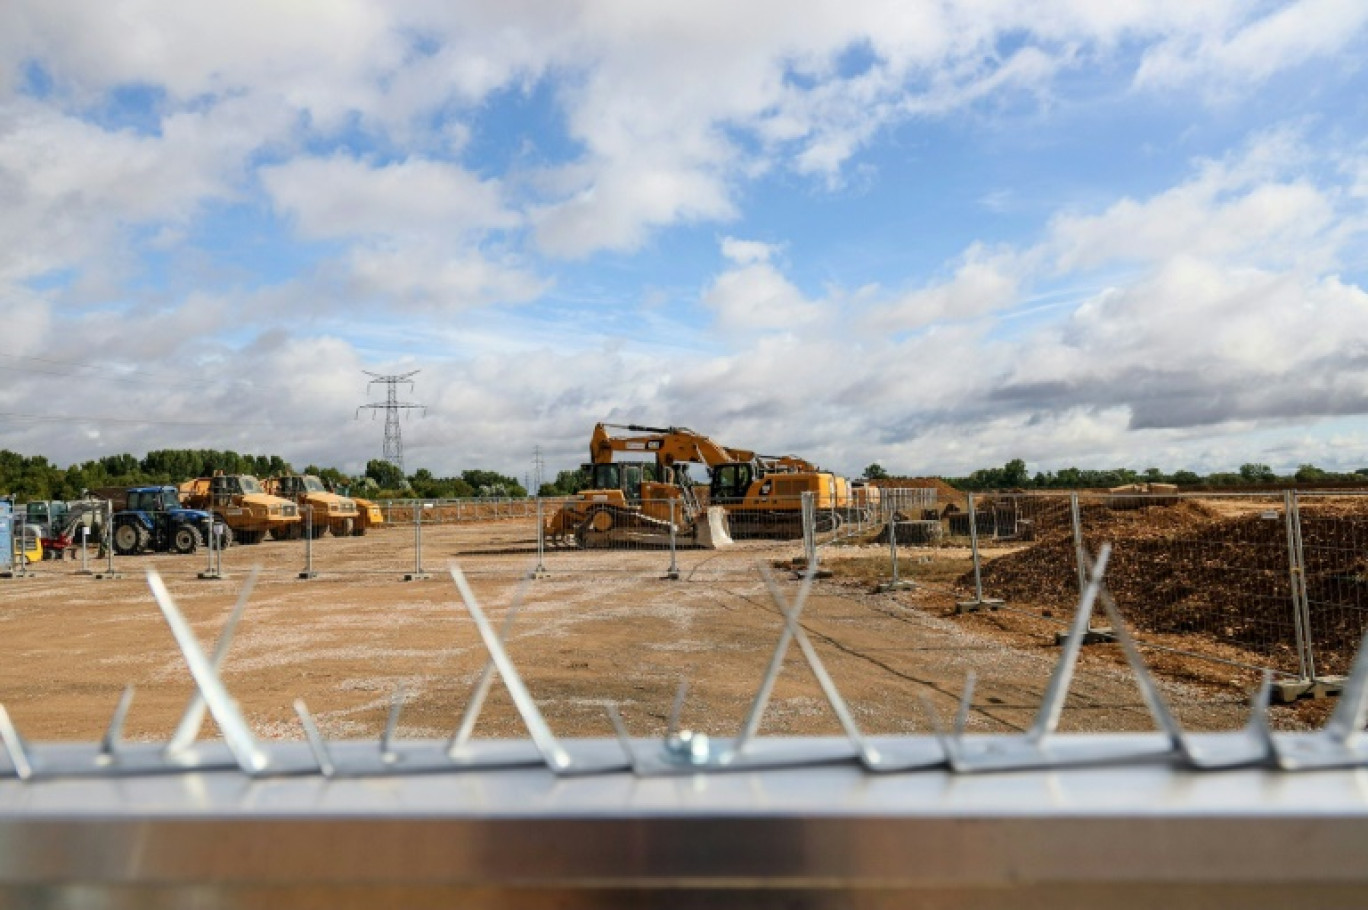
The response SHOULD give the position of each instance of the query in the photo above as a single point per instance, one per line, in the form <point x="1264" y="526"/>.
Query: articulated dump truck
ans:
<point x="242" y="504"/>
<point x="330" y="512"/>
<point x="749" y="495"/>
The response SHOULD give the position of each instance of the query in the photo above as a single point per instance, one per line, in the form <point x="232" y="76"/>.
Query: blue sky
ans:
<point x="933" y="235"/>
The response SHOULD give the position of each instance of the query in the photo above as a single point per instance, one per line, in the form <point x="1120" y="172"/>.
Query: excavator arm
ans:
<point x="668" y="444"/>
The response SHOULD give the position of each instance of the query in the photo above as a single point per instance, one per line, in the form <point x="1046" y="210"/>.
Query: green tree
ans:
<point x="492" y="484"/>
<point x="876" y="472"/>
<point x="1309" y="473"/>
<point x="567" y="483"/>
<point x="1257" y="473"/>
<point x="386" y="474"/>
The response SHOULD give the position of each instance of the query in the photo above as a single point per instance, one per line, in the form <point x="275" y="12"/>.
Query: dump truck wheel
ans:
<point x="359" y="531"/>
<point x="186" y="539"/>
<point x="342" y="529"/>
<point x="248" y="537"/>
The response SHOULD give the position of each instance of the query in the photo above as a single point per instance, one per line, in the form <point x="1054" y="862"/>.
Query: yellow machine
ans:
<point x="27" y="542"/>
<point x="368" y="515"/>
<point x="331" y="512"/>
<point x="760" y="495"/>
<point x="240" y="502"/>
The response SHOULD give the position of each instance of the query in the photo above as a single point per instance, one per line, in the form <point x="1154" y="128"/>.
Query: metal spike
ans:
<point x="114" y="732"/>
<point x="751" y="725"/>
<point x="1040" y="747"/>
<point x="672" y="724"/>
<point x="193" y="718"/>
<point x="475" y="704"/>
<point x="949" y="743"/>
<point x="620" y="730"/>
<point x="14" y="745"/>
<point x="1340" y="744"/>
<point x="1347" y="720"/>
<point x="556" y="757"/>
<point x="230" y="722"/>
<point x="317" y="745"/>
<point x="833" y="696"/>
<point x="1047" y="719"/>
<point x="966" y="704"/>
<point x="1251" y="746"/>
<point x="392" y="724"/>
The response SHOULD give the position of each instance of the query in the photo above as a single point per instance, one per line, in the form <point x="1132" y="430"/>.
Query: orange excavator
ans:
<point x="749" y="494"/>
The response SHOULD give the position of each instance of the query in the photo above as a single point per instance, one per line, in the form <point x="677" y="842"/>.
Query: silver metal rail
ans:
<point x="952" y="819"/>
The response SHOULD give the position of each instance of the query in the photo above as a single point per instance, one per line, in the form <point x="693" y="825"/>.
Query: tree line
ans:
<point x="1014" y="475"/>
<point x="34" y="477"/>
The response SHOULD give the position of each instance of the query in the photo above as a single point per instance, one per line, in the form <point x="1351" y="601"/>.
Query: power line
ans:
<point x="394" y="441"/>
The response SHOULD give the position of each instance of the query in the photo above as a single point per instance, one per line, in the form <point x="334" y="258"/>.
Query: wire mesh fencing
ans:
<point x="1214" y="576"/>
<point x="1332" y="534"/>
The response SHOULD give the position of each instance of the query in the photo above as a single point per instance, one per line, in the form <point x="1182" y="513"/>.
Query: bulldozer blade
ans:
<point x="711" y="530"/>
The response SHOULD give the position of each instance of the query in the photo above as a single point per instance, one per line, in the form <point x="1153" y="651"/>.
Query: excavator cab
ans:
<point x="731" y="482"/>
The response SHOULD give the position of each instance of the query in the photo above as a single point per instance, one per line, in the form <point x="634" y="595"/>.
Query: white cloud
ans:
<point x="757" y="297"/>
<point x="425" y="278"/>
<point x="747" y="252"/>
<point x="1235" y="53"/>
<point x="344" y="197"/>
<point x="1257" y="206"/>
<point x="985" y="281"/>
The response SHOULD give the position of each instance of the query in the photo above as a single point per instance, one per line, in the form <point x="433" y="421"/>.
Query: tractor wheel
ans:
<point x="186" y="539"/>
<point x="130" y="539"/>
<point x="343" y="528"/>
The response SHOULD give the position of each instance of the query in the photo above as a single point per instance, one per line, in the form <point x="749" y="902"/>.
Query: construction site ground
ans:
<point x="599" y="627"/>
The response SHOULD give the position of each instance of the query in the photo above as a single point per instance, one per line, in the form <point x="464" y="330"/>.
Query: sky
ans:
<point x="932" y="235"/>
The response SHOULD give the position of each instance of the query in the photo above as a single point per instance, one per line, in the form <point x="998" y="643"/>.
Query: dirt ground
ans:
<point x="599" y="627"/>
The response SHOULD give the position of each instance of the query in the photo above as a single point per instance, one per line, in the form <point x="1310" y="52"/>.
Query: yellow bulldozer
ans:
<point x="748" y="494"/>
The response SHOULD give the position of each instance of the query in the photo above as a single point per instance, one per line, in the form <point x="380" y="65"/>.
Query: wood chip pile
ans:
<point x="1188" y="570"/>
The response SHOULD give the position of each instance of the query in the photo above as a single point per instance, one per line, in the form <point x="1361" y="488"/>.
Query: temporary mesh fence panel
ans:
<point x="1209" y="575"/>
<point x="450" y="511"/>
<point x="1334" y="544"/>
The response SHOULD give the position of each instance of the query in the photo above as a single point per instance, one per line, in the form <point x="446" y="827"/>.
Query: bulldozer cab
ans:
<point x="626" y="476"/>
<point x="731" y="482"/>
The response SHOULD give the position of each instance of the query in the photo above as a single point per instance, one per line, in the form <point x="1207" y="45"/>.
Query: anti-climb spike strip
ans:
<point x="553" y="753"/>
<point x="684" y="751"/>
<point x="109" y="746"/>
<point x="193" y="718"/>
<point x="317" y="744"/>
<point x="485" y="681"/>
<point x="1340" y="744"/>
<point x="1040" y="746"/>
<point x="14" y="746"/>
<point x="1251" y="746"/>
<point x="230" y="722"/>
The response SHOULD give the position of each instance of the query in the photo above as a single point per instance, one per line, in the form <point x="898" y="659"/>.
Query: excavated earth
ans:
<point x="596" y="627"/>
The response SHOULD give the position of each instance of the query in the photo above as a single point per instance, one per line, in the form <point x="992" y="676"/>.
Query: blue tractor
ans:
<point x="152" y="519"/>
